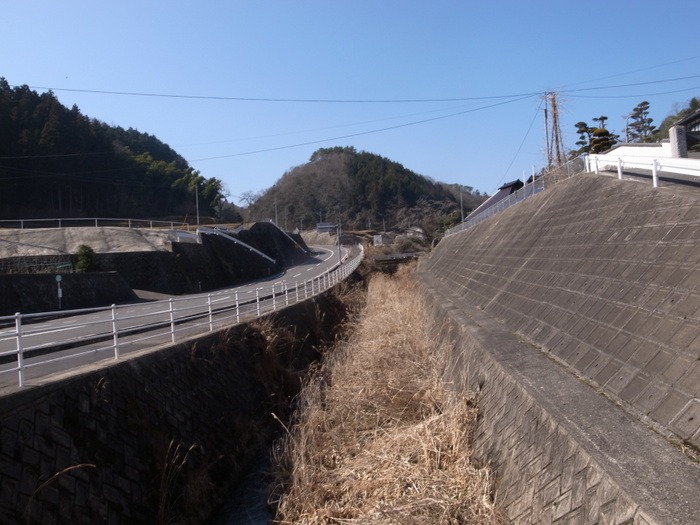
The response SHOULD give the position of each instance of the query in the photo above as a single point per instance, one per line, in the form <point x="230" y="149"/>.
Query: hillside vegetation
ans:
<point x="57" y="162"/>
<point x="364" y="191"/>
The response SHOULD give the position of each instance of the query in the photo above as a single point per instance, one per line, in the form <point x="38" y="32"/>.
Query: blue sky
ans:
<point x="246" y="90"/>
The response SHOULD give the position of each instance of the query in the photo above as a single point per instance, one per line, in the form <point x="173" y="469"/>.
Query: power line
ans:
<point x="55" y="156"/>
<point x="648" y="82"/>
<point x="343" y="101"/>
<point x="522" y="142"/>
<point x="351" y="135"/>
<point x="263" y="99"/>
<point x="638" y="96"/>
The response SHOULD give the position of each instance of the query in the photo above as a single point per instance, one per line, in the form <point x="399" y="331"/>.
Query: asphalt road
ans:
<point x="60" y="342"/>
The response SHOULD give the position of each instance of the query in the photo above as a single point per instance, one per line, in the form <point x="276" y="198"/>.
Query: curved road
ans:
<point x="90" y="334"/>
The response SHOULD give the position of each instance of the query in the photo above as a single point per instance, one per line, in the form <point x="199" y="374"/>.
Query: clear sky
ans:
<point x="246" y="90"/>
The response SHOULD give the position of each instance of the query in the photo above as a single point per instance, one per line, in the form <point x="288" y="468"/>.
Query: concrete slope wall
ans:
<point x="603" y="275"/>
<point x="39" y="292"/>
<point x="160" y="436"/>
<point x="574" y="315"/>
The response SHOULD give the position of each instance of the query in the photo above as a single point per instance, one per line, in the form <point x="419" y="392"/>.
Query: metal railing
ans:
<point x="94" y="222"/>
<point x="59" y="338"/>
<point x="538" y="184"/>
<point x="613" y="162"/>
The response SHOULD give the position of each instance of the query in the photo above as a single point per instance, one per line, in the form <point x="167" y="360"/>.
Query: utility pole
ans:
<point x="196" y="198"/>
<point x="461" y="205"/>
<point x="340" y="252"/>
<point x="555" y="146"/>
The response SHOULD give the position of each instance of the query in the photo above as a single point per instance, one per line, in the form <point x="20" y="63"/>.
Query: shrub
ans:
<point x="85" y="259"/>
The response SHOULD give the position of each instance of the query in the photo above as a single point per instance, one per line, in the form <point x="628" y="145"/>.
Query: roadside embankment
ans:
<point x="160" y="436"/>
<point x="576" y="315"/>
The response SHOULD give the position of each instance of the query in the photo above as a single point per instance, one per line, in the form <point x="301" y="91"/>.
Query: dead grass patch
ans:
<point x="379" y="440"/>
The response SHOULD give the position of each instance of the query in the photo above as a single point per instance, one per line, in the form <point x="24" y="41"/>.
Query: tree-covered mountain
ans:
<point x="57" y="162"/>
<point x="362" y="190"/>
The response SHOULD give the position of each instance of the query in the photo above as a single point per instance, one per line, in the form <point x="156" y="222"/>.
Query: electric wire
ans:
<point x="351" y="135"/>
<point x="345" y="101"/>
<point x="522" y="142"/>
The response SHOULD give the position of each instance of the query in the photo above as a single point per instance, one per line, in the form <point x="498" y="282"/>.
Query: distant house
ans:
<point x="382" y="239"/>
<point x="414" y="232"/>
<point x="502" y="193"/>
<point x="685" y="135"/>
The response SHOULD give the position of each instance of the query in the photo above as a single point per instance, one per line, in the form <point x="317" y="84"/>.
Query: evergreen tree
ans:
<point x="641" y="127"/>
<point x="595" y="139"/>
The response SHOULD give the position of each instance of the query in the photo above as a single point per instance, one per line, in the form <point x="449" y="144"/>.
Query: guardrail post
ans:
<point x="238" y="310"/>
<point x="20" y="348"/>
<point x="296" y="287"/>
<point x="172" y="320"/>
<point x="115" y="337"/>
<point x="274" y="301"/>
<point x="595" y="164"/>
<point x="257" y="301"/>
<point x="619" y="168"/>
<point x="211" y="319"/>
<point x="286" y="294"/>
<point x="655" y="173"/>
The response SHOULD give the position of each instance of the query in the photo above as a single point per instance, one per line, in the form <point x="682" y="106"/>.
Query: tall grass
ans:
<point x="379" y="440"/>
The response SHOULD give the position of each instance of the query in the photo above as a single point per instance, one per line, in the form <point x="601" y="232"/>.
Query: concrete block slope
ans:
<point x="605" y="277"/>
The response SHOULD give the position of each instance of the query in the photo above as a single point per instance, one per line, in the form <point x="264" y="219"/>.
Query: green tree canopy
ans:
<point x="56" y="162"/>
<point x="640" y="127"/>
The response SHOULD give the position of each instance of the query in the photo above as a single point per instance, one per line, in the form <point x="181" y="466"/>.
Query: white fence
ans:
<point x="539" y="184"/>
<point x="59" y="339"/>
<point x="97" y="221"/>
<point x="616" y="162"/>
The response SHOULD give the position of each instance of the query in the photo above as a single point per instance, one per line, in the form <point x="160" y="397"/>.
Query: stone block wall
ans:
<point x="605" y="276"/>
<point x="560" y="452"/>
<point x="575" y="315"/>
<point x="30" y="293"/>
<point x="158" y="437"/>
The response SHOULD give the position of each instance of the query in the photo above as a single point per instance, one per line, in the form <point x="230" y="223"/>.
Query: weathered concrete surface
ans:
<point x="39" y="292"/>
<point x="603" y="275"/>
<point x="579" y="312"/>
<point x="103" y="239"/>
<point x="160" y="436"/>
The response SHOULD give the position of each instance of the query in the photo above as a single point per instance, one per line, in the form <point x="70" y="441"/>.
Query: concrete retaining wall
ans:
<point x="158" y="436"/>
<point x="592" y="290"/>
<point x="30" y="293"/>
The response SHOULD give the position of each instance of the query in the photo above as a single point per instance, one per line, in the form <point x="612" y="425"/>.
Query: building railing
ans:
<point x="94" y="222"/>
<point x="616" y="162"/>
<point x="538" y="184"/>
<point x="59" y="338"/>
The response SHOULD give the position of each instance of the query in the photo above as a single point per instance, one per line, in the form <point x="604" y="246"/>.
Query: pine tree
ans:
<point x="641" y="127"/>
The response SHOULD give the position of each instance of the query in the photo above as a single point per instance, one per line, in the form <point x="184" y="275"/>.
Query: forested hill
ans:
<point x="364" y="190"/>
<point x="57" y="162"/>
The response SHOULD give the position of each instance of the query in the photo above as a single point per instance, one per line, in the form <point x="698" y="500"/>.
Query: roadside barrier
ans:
<point x="59" y="338"/>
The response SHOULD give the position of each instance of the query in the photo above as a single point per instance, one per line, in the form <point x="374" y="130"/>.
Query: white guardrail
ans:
<point x="616" y="160"/>
<point x="619" y="163"/>
<point x="538" y="184"/>
<point x="24" y="224"/>
<point x="32" y="340"/>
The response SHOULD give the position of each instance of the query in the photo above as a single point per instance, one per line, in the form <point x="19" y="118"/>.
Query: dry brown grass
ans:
<point x="379" y="439"/>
